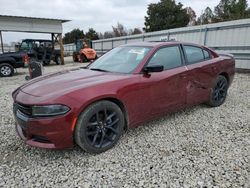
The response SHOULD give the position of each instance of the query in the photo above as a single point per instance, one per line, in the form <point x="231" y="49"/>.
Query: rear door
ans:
<point x="168" y="88"/>
<point x="201" y="73"/>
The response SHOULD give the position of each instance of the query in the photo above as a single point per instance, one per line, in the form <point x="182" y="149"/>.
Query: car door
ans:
<point x="200" y="74"/>
<point x="167" y="88"/>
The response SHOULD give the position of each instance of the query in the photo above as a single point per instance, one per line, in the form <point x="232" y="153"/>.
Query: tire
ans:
<point x="83" y="58"/>
<point x="94" y="137"/>
<point x="219" y="91"/>
<point x="45" y="63"/>
<point x="58" y="60"/>
<point x="6" y="70"/>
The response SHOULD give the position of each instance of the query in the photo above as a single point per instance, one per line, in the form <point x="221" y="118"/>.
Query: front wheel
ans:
<point x="99" y="127"/>
<point x="219" y="92"/>
<point x="6" y="70"/>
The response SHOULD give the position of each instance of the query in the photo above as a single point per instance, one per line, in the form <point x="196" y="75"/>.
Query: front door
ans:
<point x="168" y="88"/>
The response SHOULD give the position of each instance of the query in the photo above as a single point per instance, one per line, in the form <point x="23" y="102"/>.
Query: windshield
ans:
<point x="121" y="59"/>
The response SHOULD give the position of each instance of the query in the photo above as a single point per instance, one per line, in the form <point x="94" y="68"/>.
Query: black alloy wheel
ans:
<point x="219" y="92"/>
<point x="99" y="127"/>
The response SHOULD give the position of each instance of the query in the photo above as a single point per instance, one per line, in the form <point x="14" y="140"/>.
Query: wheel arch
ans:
<point x="11" y="63"/>
<point x="8" y="60"/>
<point x="225" y="75"/>
<point x="120" y="104"/>
<point x="115" y="100"/>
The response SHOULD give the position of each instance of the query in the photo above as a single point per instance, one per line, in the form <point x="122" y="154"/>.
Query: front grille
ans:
<point x="24" y="109"/>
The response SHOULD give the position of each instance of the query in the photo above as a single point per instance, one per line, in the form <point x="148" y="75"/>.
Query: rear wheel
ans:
<point x="99" y="127"/>
<point x="6" y="70"/>
<point x="219" y="92"/>
<point x="45" y="63"/>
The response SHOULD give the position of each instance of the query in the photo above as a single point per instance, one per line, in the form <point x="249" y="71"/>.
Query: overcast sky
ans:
<point x="98" y="14"/>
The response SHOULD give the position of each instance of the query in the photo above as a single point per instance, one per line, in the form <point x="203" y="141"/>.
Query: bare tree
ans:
<point x="192" y="16"/>
<point x="136" y="31"/>
<point x="207" y="17"/>
<point x="119" y="30"/>
<point x="100" y="35"/>
<point x="108" y="34"/>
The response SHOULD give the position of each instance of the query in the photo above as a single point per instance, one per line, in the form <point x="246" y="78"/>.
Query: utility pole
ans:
<point x="1" y="37"/>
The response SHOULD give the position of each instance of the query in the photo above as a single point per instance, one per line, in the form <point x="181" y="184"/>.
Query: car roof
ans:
<point x="151" y="44"/>
<point x="39" y="40"/>
<point x="159" y="44"/>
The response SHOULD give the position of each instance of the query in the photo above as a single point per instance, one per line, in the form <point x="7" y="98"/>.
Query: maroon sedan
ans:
<point x="129" y="85"/>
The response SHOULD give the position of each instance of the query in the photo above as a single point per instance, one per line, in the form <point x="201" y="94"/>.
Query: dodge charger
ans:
<point x="92" y="106"/>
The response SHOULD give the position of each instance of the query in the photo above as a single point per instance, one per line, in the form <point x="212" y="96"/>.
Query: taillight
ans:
<point x="26" y="59"/>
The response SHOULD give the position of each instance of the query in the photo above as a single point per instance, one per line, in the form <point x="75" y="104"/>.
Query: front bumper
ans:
<point x="50" y="133"/>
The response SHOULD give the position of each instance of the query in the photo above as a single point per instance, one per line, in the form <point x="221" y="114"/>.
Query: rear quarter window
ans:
<point x="194" y="54"/>
<point x="206" y="55"/>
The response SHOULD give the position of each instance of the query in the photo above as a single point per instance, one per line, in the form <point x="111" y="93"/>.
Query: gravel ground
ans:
<point x="197" y="147"/>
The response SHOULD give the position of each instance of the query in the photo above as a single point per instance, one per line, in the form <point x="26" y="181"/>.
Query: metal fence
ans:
<point x="7" y="48"/>
<point x="230" y="37"/>
<point x="69" y="49"/>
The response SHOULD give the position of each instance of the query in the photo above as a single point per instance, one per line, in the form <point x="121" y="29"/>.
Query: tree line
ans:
<point x="168" y="14"/>
<point x="117" y="31"/>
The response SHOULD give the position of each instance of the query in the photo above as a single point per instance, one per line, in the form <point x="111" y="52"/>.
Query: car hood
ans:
<point x="67" y="81"/>
<point x="8" y="54"/>
<point x="88" y="50"/>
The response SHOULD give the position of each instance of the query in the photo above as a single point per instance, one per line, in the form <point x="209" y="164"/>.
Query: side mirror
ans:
<point x="153" y="68"/>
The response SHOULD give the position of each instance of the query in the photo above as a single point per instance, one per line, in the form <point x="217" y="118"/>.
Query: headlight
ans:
<point x="50" y="110"/>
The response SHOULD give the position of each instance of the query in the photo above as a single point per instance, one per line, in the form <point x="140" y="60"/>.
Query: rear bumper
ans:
<point x="50" y="133"/>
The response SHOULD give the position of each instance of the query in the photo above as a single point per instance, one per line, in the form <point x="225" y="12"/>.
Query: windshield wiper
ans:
<point x="101" y="70"/>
